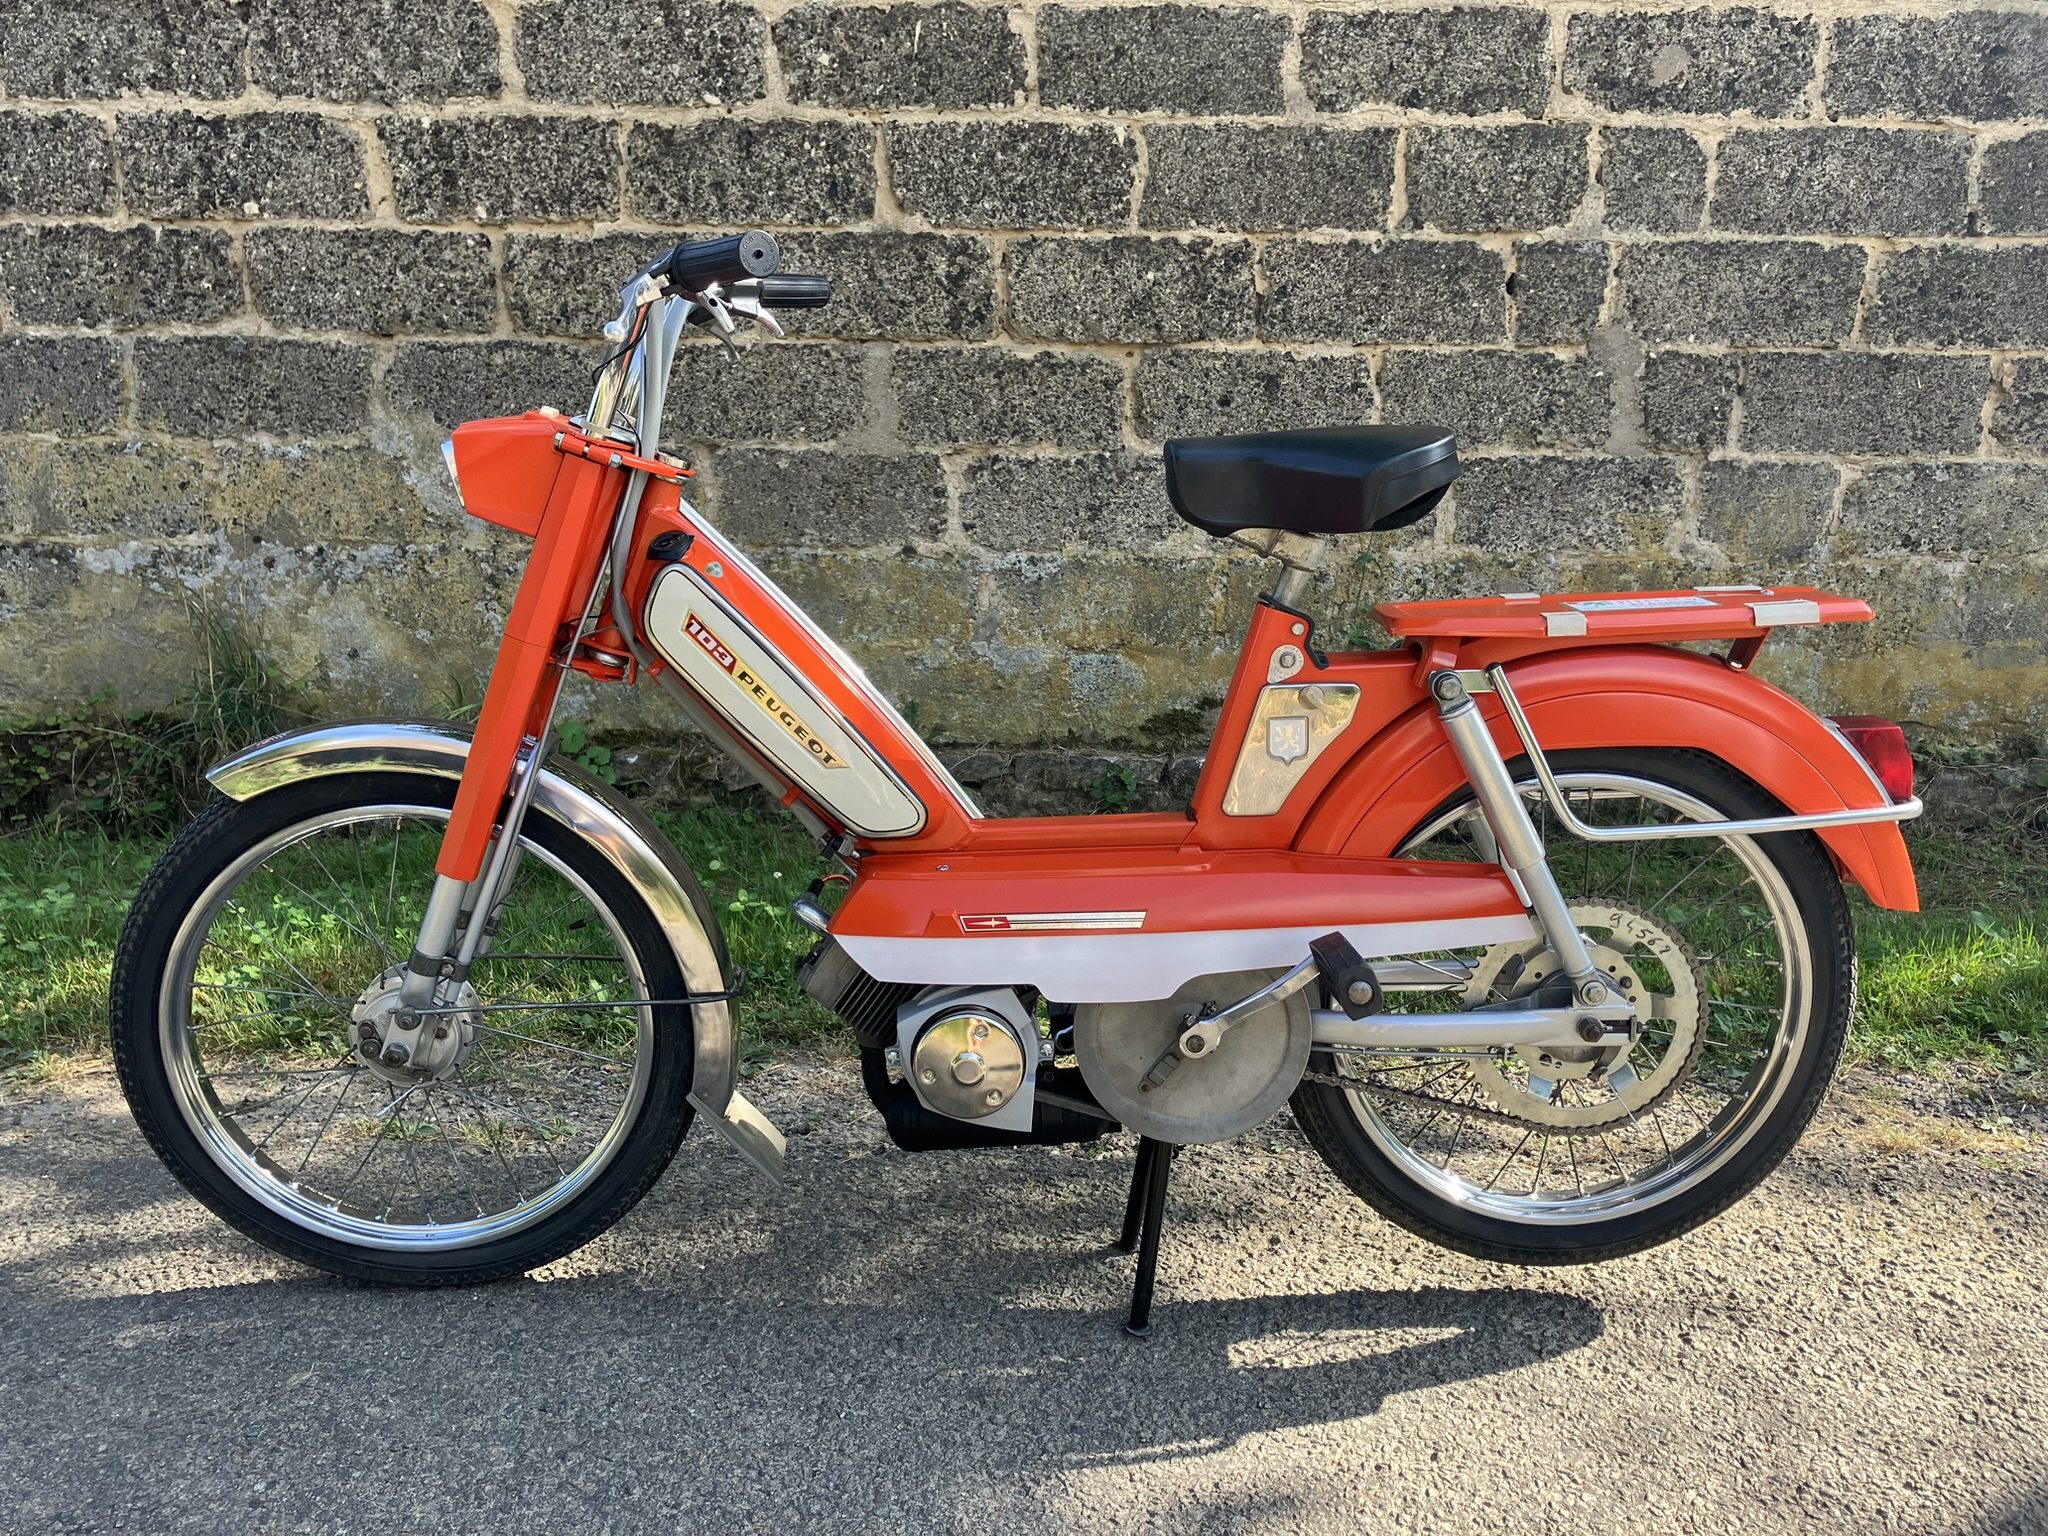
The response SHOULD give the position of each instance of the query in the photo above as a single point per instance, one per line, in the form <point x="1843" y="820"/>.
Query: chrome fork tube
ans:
<point x="430" y="950"/>
<point x="1521" y="849"/>
<point x="480" y="900"/>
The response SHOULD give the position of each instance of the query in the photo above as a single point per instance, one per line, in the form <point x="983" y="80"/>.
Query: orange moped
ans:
<point x="1535" y="917"/>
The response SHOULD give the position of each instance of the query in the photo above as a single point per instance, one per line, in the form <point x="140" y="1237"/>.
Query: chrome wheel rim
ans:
<point x="1520" y="1171"/>
<point x="254" y="1025"/>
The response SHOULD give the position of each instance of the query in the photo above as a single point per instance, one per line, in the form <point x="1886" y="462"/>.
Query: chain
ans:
<point x="1409" y="1096"/>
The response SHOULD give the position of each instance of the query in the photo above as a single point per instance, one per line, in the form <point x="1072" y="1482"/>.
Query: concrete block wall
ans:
<point x="1710" y="294"/>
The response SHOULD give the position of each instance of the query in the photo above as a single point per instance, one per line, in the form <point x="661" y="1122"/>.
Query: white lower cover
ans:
<point x="1145" y="967"/>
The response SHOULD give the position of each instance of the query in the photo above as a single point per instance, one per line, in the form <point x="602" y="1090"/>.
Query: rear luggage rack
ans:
<point x="1690" y="613"/>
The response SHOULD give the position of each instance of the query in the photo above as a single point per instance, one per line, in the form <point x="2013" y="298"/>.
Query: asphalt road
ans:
<point x="931" y="1343"/>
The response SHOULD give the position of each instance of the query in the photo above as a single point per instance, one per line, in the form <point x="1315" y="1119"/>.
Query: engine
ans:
<point x="952" y="1066"/>
<point x="868" y="1006"/>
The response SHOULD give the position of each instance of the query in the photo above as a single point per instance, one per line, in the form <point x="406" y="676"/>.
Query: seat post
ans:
<point x="1300" y="556"/>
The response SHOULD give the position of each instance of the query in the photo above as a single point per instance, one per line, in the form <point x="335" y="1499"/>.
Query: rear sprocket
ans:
<point x="1571" y="1089"/>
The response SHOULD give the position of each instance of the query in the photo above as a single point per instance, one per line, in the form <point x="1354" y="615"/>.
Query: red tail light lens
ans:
<point x="1882" y="745"/>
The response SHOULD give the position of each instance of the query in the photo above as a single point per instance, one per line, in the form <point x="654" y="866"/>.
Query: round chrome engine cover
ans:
<point x="1222" y="1094"/>
<point x="967" y="1064"/>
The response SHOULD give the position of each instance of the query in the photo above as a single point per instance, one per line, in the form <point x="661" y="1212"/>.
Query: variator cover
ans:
<point x="1211" y="1098"/>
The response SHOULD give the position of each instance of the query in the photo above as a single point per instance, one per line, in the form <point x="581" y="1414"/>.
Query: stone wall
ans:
<point x="1709" y="294"/>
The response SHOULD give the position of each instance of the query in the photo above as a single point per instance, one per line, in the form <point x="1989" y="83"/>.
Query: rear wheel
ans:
<point x="256" y="968"/>
<point x="1740" y="955"/>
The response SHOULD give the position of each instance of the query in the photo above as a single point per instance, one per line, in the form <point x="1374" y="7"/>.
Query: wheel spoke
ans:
<point x="553" y="1045"/>
<point x="476" y="1136"/>
<point x="354" y="923"/>
<point x="454" y="1162"/>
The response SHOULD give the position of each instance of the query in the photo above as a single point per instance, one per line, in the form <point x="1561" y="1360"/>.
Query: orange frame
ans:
<point x="1620" y="680"/>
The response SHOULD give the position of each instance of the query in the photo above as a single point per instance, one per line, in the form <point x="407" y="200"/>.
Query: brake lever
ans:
<point x="715" y="309"/>
<point x="751" y="306"/>
<point x="719" y="307"/>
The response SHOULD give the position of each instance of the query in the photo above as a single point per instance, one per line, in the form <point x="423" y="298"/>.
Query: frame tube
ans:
<point x="1476" y="1030"/>
<point x="1521" y="849"/>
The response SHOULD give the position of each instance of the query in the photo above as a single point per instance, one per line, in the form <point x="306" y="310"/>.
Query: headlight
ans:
<point x="448" y="458"/>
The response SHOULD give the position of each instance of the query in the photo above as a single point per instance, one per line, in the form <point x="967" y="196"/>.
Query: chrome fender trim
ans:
<point x="632" y="844"/>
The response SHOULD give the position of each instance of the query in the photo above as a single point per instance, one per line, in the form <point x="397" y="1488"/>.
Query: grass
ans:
<point x="65" y="889"/>
<point x="1966" y="979"/>
<point x="1967" y="976"/>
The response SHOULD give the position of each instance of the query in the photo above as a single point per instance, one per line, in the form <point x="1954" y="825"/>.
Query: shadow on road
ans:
<point x="896" y="1330"/>
<point x="645" y="1369"/>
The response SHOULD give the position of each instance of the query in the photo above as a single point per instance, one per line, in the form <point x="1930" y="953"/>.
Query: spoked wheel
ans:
<point x="1739" y="956"/>
<point x="263" y="958"/>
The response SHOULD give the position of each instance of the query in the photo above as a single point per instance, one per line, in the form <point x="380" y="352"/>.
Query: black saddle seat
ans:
<point x="1313" y="480"/>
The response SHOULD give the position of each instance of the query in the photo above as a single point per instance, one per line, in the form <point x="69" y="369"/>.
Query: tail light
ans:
<point x="1882" y="746"/>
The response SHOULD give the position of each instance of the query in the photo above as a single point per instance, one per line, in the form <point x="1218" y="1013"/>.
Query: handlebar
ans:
<point x="725" y="281"/>
<point x="696" y="264"/>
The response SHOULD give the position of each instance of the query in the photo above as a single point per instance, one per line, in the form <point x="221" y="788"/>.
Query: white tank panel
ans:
<point x="718" y="653"/>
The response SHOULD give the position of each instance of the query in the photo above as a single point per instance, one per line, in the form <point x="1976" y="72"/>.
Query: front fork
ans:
<point x="461" y="913"/>
<point x="452" y="933"/>
<point x="1514" y="834"/>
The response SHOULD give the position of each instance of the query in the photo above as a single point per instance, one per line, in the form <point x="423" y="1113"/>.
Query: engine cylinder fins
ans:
<point x="867" y="1006"/>
<point x="1224" y="1093"/>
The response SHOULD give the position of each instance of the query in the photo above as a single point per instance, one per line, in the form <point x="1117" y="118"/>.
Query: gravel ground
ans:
<point x="931" y="1343"/>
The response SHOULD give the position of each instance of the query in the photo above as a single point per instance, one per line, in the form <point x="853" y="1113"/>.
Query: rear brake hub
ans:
<point x="1649" y="966"/>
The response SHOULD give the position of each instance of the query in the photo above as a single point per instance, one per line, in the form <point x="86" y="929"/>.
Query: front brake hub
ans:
<point x="1653" y="970"/>
<point x="436" y="1050"/>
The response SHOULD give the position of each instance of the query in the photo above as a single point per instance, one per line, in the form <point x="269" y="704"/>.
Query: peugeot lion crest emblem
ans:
<point x="1287" y="737"/>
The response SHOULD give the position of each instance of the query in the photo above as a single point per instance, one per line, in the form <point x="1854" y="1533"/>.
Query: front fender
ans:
<point x="1625" y="696"/>
<point x="627" y="839"/>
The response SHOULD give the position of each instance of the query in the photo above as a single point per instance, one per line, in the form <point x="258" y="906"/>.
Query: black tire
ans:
<point x="1327" y="1118"/>
<point x="226" y="830"/>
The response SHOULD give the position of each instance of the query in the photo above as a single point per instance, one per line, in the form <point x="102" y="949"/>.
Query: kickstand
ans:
<point x="1142" y="1215"/>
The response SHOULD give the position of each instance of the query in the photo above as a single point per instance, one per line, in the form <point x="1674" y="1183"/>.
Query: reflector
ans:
<point x="1882" y="745"/>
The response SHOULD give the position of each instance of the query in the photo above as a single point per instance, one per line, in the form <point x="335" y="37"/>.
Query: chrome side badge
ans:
<point x="1290" y="728"/>
<point x="1049" y="922"/>
<point x="1287" y="738"/>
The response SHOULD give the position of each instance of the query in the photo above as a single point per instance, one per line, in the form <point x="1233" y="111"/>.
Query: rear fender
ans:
<point x="1625" y="696"/>
<point x="628" y="841"/>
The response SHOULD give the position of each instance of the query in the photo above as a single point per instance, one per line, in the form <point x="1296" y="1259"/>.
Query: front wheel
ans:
<point x="1740" y="956"/>
<point x="252" y="974"/>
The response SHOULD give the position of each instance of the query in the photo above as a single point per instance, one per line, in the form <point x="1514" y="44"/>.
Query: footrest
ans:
<point x="1349" y="979"/>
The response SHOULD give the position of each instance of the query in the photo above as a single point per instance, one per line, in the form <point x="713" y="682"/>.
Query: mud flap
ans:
<point x="752" y="1133"/>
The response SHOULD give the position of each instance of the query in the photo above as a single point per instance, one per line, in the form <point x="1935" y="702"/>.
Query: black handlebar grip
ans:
<point x="697" y="264"/>
<point x="795" y="290"/>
